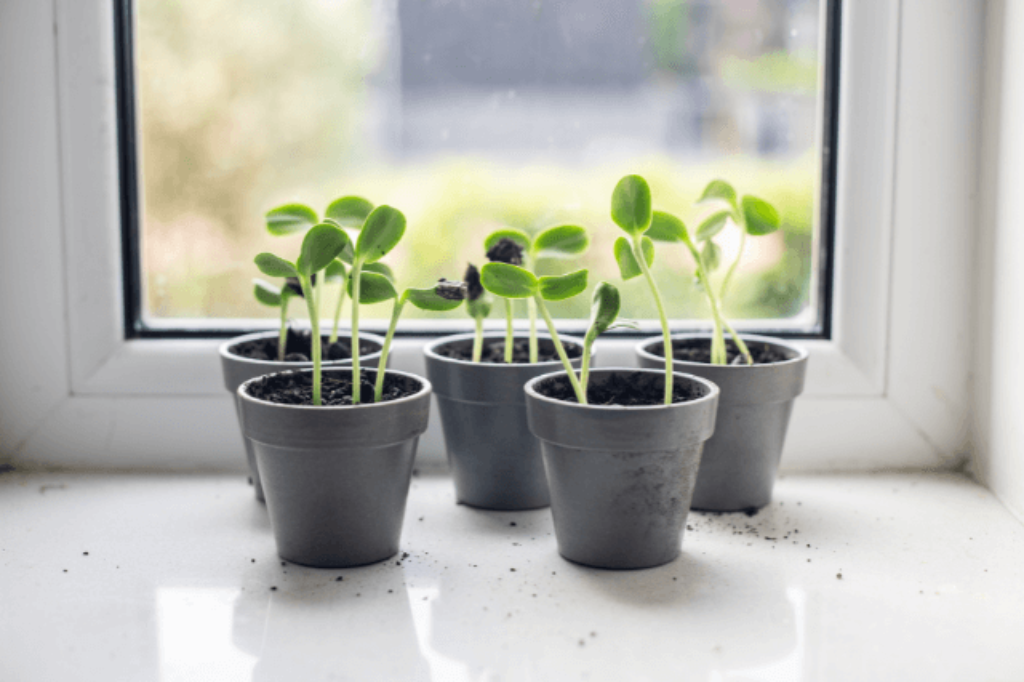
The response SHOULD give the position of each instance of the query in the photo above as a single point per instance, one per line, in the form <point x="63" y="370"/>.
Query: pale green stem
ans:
<point x="282" y="336"/>
<point x="382" y="366"/>
<point x="531" y="308"/>
<point x="356" y="376"/>
<point x="478" y="340"/>
<point x="638" y="253"/>
<point x="718" y="354"/>
<point x="732" y="268"/>
<point x="509" y="340"/>
<point x="314" y="321"/>
<point x="739" y="343"/>
<point x="337" y="311"/>
<point x="588" y="345"/>
<point x="581" y="395"/>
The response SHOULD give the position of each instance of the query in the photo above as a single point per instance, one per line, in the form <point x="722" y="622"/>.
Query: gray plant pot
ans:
<point x="336" y="479"/>
<point x="742" y="458"/>
<point x="621" y="477"/>
<point x="237" y="370"/>
<point x="496" y="462"/>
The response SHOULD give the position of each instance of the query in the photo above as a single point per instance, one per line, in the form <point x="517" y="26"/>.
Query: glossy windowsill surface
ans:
<point x="856" y="577"/>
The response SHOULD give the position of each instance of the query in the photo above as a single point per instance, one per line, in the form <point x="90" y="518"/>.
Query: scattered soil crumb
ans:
<point x="339" y="579"/>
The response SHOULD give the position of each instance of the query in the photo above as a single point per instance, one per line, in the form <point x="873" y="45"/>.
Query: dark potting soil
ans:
<point x="699" y="350"/>
<point x="494" y="351"/>
<point x="299" y="349"/>
<point x="296" y="388"/>
<point x="626" y="390"/>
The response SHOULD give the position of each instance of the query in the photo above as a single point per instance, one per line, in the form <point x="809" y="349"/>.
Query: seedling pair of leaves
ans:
<point x="512" y="282"/>
<point x="514" y="247"/>
<point x="381" y="231"/>
<point x="632" y="211"/>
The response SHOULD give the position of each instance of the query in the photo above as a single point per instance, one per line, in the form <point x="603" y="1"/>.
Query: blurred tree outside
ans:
<point x="469" y="118"/>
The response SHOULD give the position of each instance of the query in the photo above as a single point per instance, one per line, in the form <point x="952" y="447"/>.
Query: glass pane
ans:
<point x="470" y="117"/>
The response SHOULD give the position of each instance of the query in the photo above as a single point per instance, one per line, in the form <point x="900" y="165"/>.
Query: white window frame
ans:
<point x="890" y="390"/>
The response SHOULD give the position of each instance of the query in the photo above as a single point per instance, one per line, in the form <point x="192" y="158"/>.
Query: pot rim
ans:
<point x="425" y="389"/>
<point x="431" y="353"/>
<point x="801" y="352"/>
<point x="224" y="352"/>
<point x="712" y="394"/>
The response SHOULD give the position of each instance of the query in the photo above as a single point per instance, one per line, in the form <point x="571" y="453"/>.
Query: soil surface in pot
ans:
<point x="699" y="350"/>
<point x="296" y="388"/>
<point x="299" y="349"/>
<point x="625" y="390"/>
<point x="494" y="351"/>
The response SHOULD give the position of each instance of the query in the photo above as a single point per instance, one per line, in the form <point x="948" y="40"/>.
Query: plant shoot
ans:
<point x="269" y="295"/>
<point x="478" y="305"/>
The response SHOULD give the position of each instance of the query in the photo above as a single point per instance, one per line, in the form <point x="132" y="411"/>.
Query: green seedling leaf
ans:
<point x="563" y="286"/>
<point x="380" y="269"/>
<point x="508" y="281"/>
<point x="348" y="254"/>
<point x="604" y="308"/>
<point x="665" y="227"/>
<point x="373" y="288"/>
<point x="275" y="266"/>
<point x="518" y="236"/>
<point x="719" y="190"/>
<point x="428" y="299"/>
<point x="266" y="293"/>
<point x="711" y="255"/>
<point x="335" y="271"/>
<point x="321" y="245"/>
<point x="480" y="308"/>
<point x="628" y="267"/>
<point x="760" y="217"/>
<point x="381" y="232"/>
<point x="348" y="211"/>
<point x="631" y="204"/>
<point x="290" y="218"/>
<point x="713" y="225"/>
<point x="564" y="241"/>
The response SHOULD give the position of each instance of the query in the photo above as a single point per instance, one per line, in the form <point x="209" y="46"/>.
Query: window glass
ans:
<point x="471" y="116"/>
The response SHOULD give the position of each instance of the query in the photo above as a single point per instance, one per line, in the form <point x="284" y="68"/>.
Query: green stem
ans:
<point x="718" y="354"/>
<point x="638" y="253"/>
<point x="509" y="340"/>
<point x="382" y="366"/>
<point x="356" y="376"/>
<point x="282" y="336"/>
<point x="739" y="343"/>
<point x="732" y="268"/>
<point x="588" y="345"/>
<point x="478" y="340"/>
<point x="531" y="308"/>
<point x="581" y="395"/>
<point x="314" y="321"/>
<point x="337" y="311"/>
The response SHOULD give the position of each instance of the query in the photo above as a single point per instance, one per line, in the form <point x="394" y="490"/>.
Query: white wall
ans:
<point x="999" y="354"/>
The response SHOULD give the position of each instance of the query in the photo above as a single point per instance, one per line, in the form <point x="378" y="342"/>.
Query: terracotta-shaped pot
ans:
<point x="741" y="460"/>
<point x="237" y="370"/>
<point x="621" y="477"/>
<point x="336" y="479"/>
<point x="496" y="462"/>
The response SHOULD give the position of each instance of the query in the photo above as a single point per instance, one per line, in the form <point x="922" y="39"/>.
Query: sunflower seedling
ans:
<point x="478" y="305"/>
<point x="320" y="246"/>
<point x="515" y="247"/>
<point x="269" y="295"/>
<point x="376" y="288"/>
<point x="604" y="309"/>
<point x="753" y="216"/>
<point x="512" y="282"/>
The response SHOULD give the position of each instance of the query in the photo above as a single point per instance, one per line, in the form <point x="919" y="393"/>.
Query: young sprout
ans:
<point x="478" y="304"/>
<point x="348" y="212"/>
<point x="518" y="248"/>
<point x="754" y="216"/>
<point x="604" y="309"/>
<point x="511" y="281"/>
<point x="375" y="288"/>
<point x="337" y="272"/>
<point x="631" y="211"/>
<point x="269" y="295"/>
<point x="320" y="246"/>
<point x="381" y="232"/>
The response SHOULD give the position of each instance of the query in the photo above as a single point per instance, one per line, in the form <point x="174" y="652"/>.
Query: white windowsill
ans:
<point x="178" y="579"/>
